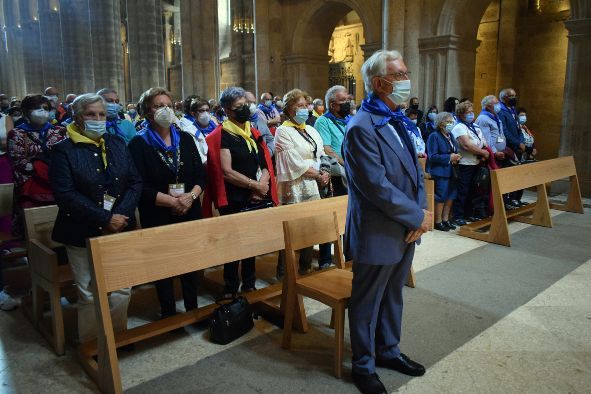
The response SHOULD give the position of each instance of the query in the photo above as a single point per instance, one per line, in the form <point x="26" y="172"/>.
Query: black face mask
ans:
<point x="512" y="101"/>
<point x="414" y="106"/>
<point x="242" y="114"/>
<point x="345" y="109"/>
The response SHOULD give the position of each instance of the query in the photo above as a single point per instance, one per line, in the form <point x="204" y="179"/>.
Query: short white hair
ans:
<point x="331" y="94"/>
<point x="487" y="100"/>
<point x="504" y="93"/>
<point x="376" y="66"/>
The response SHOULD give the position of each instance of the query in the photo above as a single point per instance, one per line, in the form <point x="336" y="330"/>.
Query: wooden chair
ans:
<point x="6" y="202"/>
<point x="47" y="276"/>
<point x="331" y="287"/>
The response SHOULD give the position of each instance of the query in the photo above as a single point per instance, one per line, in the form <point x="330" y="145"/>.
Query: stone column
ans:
<point x="33" y="65"/>
<point x="575" y="138"/>
<point x="146" y="56"/>
<point x="77" y="48"/>
<point x="199" y="47"/>
<point x="369" y="48"/>
<point x="509" y="11"/>
<point x="50" y="33"/>
<point x="14" y="82"/>
<point x="447" y="68"/>
<point x="107" y="56"/>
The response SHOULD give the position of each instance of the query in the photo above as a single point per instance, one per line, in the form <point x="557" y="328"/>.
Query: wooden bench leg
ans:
<point x="411" y="280"/>
<point x="332" y="313"/>
<point x="290" y="305"/>
<point x="339" y="333"/>
<point x="57" y="322"/>
<point x="37" y="304"/>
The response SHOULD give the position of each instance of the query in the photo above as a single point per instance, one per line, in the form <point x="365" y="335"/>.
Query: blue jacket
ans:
<point x="79" y="182"/>
<point x="511" y="129"/>
<point x="386" y="190"/>
<point x="439" y="154"/>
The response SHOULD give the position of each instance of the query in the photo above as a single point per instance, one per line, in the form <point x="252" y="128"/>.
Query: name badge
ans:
<point x="259" y="174"/>
<point x="108" y="202"/>
<point x="176" y="189"/>
<point x="500" y="139"/>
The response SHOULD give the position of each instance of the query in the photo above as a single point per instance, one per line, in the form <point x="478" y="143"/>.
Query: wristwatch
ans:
<point x="194" y="196"/>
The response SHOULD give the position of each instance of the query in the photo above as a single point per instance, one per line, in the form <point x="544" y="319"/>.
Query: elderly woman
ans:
<point x="298" y="148"/>
<point x="240" y="176"/>
<point x="197" y="122"/>
<point x="96" y="188"/>
<point x="428" y="125"/>
<point x="528" y="136"/>
<point x="472" y="143"/>
<point x="442" y="156"/>
<point x="28" y="150"/>
<point x="173" y="178"/>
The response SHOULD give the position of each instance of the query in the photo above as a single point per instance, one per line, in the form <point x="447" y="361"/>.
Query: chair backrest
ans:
<point x="309" y="231"/>
<point x="6" y="196"/>
<point x="39" y="224"/>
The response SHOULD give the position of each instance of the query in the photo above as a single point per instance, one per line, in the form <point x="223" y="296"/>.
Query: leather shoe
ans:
<point x="441" y="227"/>
<point x="402" y="364"/>
<point x="449" y="225"/>
<point x="368" y="384"/>
<point x="459" y="222"/>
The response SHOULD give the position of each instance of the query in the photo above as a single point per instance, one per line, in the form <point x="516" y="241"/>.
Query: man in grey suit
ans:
<point x="385" y="218"/>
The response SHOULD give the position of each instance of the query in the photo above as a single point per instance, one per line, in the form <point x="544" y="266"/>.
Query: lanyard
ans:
<point x="310" y="140"/>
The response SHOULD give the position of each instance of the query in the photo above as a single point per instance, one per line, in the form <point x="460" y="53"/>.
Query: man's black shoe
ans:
<point x="368" y="384"/>
<point x="441" y="227"/>
<point x="449" y="225"/>
<point x="402" y="364"/>
<point x="459" y="222"/>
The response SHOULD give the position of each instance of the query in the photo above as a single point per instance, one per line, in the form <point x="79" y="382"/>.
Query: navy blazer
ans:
<point x="80" y="181"/>
<point x="439" y="155"/>
<point x="386" y="190"/>
<point x="512" y="131"/>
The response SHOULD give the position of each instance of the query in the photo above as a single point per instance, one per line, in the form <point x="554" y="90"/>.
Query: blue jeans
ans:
<point x="324" y="255"/>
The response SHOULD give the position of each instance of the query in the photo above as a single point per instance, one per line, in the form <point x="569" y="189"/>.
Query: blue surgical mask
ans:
<point x="522" y="119"/>
<point x="497" y="108"/>
<point x="449" y="127"/>
<point x="470" y="117"/>
<point x="268" y="103"/>
<point x="132" y="113"/>
<point x="432" y="116"/>
<point x="94" y="129"/>
<point x="52" y="115"/>
<point x="113" y="110"/>
<point x="301" y="116"/>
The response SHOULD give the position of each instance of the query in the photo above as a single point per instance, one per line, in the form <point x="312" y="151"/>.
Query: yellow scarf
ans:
<point x="246" y="134"/>
<point x="77" y="137"/>
<point x="289" y="123"/>
<point x="316" y="114"/>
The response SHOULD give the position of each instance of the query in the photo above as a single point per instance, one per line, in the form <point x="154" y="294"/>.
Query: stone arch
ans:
<point x="307" y="40"/>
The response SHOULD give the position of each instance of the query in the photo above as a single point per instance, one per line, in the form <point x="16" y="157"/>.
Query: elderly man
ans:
<point x="332" y="126"/>
<point x="386" y="217"/>
<point x="116" y="124"/>
<point x="268" y="112"/>
<point x="512" y="130"/>
<point x="260" y="123"/>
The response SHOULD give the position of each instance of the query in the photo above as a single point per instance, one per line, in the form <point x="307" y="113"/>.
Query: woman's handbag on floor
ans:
<point x="230" y="321"/>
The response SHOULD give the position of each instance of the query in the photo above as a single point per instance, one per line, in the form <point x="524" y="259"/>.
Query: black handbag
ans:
<point x="230" y="321"/>
<point x="256" y="205"/>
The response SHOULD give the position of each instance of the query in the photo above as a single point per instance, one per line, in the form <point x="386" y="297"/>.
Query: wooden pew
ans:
<point x="6" y="206"/>
<point x="429" y="190"/>
<point x="511" y="179"/>
<point x="147" y="255"/>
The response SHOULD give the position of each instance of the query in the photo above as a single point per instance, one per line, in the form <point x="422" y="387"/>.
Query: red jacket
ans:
<point x="216" y="189"/>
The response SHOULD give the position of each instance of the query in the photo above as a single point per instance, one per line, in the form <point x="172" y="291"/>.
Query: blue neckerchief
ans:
<point x="114" y="126"/>
<point x="43" y="130"/>
<point x="431" y="125"/>
<point x="153" y="139"/>
<point x="253" y="119"/>
<point x="374" y="105"/>
<point x="471" y="127"/>
<point x="493" y="117"/>
<point x="266" y="110"/>
<point x="333" y="118"/>
<point x="410" y="126"/>
<point x="208" y="129"/>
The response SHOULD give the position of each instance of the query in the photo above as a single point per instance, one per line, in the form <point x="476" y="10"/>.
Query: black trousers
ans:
<point x="467" y="203"/>
<point x="165" y="290"/>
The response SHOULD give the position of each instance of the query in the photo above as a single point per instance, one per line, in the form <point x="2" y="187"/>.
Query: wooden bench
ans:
<point x="144" y="256"/>
<point x="6" y="207"/>
<point x="429" y="190"/>
<point x="47" y="275"/>
<point x="507" y="180"/>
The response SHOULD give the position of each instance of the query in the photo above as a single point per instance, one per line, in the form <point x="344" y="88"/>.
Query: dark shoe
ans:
<point x="515" y="203"/>
<point x="471" y="219"/>
<point x="449" y="225"/>
<point x="248" y="289"/>
<point x="509" y="207"/>
<point x="478" y="217"/>
<point x="228" y="296"/>
<point x="368" y="384"/>
<point x="441" y="227"/>
<point x="459" y="222"/>
<point x="402" y="364"/>
<point x="324" y="266"/>
<point x="522" y="203"/>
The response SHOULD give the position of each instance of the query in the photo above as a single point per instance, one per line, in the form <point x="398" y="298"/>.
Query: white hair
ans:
<point x="441" y="118"/>
<point x="376" y="66"/>
<point x="317" y="102"/>
<point x="504" y="93"/>
<point x="84" y="100"/>
<point x="331" y="94"/>
<point x="487" y="100"/>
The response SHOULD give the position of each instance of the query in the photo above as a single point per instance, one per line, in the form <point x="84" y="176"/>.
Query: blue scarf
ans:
<point x="266" y="110"/>
<point x="43" y="130"/>
<point x="374" y="105"/>
<point x="169" y="154"/>
<point x="493" y="117"/>
<point x="254" y="118"/>
<point x="410" y="126"/>
<point x="333" y="118"/>
<point x="113" y="126"/>
<point x="208" y="129"/>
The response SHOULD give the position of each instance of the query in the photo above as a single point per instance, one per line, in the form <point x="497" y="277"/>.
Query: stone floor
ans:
<point x="483" y="318"/>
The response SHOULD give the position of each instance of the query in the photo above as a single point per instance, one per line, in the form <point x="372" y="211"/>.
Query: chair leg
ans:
<point x="57" y="322"/>
<point x="339" y="334"/>
<point x="290" y="301"/>
<point x="332" y="319"/>
<point x="36" y="304"/>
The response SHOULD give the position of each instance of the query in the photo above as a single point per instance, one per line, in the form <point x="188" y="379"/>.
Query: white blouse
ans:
<point x="294" y="155"/>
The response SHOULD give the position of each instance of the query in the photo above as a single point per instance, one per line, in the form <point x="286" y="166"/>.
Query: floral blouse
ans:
<point x="24" y="146"/>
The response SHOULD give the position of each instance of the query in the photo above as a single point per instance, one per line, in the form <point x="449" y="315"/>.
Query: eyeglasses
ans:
<point x="399" y="76"/>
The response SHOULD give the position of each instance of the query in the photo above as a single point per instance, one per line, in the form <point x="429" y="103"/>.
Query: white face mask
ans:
<point x="400" y="91"/>
<point x="253" y="109"/>
<point x="279" y="104"/>
<point x="203" y="119"/>
<point x="164" y="116"/>
<point x="39" y="116"/>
